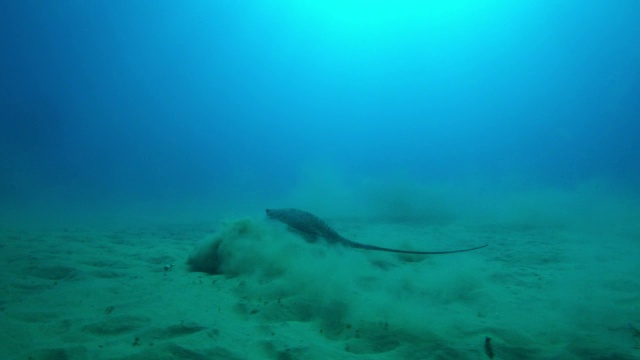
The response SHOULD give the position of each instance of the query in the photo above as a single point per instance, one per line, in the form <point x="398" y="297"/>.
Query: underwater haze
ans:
<point x="463" y="179"/>
<point x="118" y="111"/>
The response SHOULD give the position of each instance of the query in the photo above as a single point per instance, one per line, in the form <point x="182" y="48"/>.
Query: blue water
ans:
<point x="119" y="108"/>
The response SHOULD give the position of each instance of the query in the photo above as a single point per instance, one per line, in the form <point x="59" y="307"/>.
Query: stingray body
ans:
<point x="312" y="227"/>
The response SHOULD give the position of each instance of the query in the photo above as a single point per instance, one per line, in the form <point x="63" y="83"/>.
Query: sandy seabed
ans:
<point x="537" y="293"/>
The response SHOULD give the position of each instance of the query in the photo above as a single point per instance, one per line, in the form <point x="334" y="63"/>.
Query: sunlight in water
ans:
<point x="361" y="17"/>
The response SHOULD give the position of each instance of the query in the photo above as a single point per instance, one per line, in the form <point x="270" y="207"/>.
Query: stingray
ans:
<point x="312" y="227"/>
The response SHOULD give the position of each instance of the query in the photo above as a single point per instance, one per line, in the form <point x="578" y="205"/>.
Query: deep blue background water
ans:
<point x="190" y="106"/>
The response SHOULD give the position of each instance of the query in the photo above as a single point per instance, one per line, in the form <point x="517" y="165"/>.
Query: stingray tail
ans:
<point x="378" y="248"/>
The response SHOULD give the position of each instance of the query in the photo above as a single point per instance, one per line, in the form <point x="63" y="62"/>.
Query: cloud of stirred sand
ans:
<point x="338" y="287"/>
